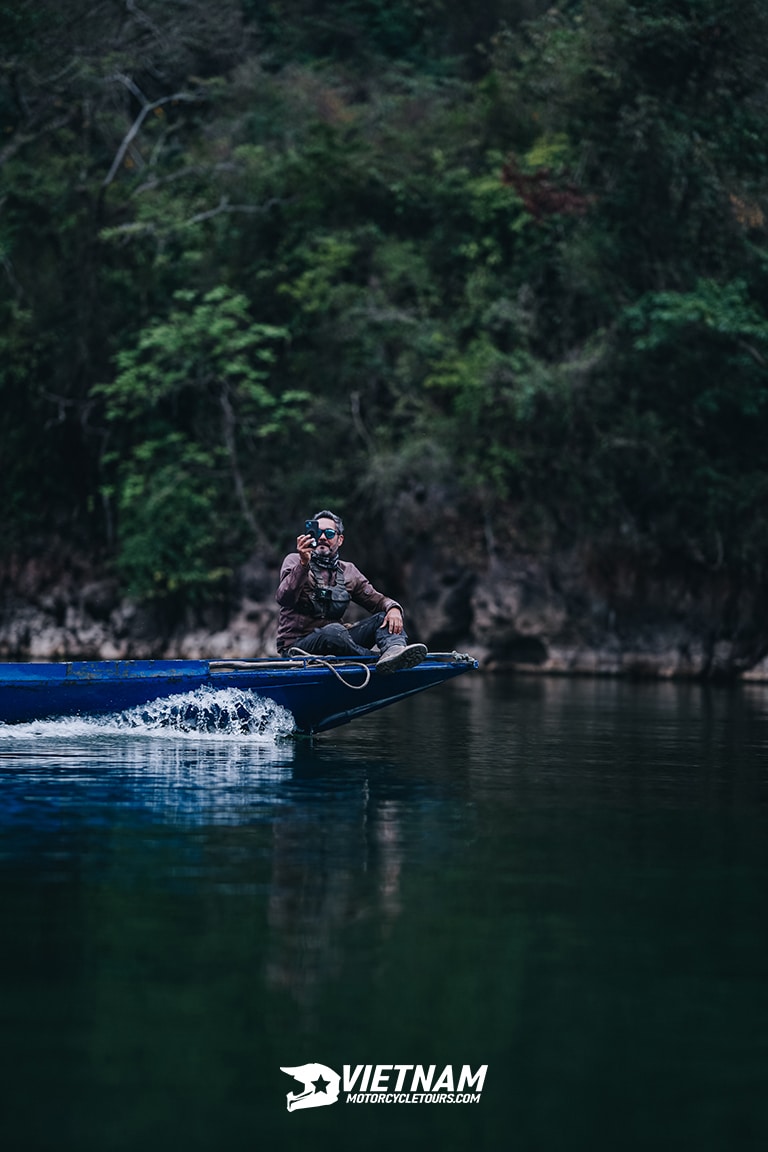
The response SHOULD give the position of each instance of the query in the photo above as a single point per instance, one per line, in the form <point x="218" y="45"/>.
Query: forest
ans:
<point x="496" y="269"/>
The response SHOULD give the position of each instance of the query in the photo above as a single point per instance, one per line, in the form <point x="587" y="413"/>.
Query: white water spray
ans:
<point x="206" y="713"/>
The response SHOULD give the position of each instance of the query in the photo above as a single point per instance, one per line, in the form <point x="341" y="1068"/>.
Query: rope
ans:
<point x="327" y="664"/>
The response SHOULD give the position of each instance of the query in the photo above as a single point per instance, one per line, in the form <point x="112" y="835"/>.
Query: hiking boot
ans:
<point x="401" y="656"/>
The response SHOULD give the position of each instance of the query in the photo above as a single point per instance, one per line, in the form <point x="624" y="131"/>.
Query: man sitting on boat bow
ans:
<point x="315" y="590"/>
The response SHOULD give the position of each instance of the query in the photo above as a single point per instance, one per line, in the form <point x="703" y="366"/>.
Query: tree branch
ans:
<point x="142" y="18"/>
<point x="190" y="170"/>
<point x="231" y="444"/>
<point x="185" y="97"/>
<point x="130" y="84"/>
<point x="753" y="352"/>
<point x="225" y="206"/>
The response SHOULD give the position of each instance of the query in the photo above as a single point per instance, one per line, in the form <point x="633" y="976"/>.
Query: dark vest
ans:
<point x="329" y="601"/>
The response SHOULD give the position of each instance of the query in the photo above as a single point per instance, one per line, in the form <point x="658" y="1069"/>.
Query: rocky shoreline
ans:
<point x="564" y="614"/>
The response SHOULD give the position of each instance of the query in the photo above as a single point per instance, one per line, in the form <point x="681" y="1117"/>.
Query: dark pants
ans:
<point x="358" y="640"/>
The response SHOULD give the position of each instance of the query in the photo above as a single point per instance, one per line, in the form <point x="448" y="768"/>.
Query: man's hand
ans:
<point x="304" y="545"/>
<point x="393" y="621"/>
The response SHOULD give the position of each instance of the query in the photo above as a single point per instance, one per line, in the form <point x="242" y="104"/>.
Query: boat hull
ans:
<point x="318" y="693"/>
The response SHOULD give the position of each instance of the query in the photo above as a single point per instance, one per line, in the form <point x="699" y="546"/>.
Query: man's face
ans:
<point x="328" y="545"/>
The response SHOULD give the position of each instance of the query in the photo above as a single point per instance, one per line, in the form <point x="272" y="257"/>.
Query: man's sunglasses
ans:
<point x="329" y="533"/>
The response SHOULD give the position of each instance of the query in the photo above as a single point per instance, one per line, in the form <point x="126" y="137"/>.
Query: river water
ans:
<point x="563" y="881"/>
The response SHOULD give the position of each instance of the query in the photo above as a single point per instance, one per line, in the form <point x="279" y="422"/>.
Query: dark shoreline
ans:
<point x="555" y="614"/>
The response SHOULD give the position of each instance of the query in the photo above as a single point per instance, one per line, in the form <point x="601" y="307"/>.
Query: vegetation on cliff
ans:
<point x="387" y="256"/>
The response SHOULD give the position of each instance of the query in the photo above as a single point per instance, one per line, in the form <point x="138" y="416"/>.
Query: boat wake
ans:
<point x="209" y="756"/>
<point x="206" y="712"/>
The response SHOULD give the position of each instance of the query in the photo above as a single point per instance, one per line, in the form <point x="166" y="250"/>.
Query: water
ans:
<point x="566" y="881"/>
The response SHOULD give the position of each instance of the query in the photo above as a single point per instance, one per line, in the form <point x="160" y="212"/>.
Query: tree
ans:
<point x="190" y="398"/>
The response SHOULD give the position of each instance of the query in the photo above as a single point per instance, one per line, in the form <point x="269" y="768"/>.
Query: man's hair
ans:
<point x="325" y="514"/>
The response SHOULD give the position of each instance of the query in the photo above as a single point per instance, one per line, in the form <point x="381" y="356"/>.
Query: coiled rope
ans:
<point x="327" y="664"/>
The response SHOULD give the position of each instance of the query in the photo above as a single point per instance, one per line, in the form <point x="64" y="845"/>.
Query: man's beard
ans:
<point x="327" y="562"/>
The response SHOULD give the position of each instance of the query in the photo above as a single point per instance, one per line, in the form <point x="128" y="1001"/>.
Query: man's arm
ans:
<point x="294" y="572"/>
<point x="293" y="579"/>
<point x="363" y="593"/>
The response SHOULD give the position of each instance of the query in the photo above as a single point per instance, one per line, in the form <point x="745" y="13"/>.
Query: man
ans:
<point x="315" y="590"/>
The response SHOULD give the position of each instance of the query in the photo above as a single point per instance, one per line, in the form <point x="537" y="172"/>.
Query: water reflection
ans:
<point x="335" y="868"/>
<point x="565" y="880"/>
<point x="312" y="828"/>
<point x="180" y="782"/>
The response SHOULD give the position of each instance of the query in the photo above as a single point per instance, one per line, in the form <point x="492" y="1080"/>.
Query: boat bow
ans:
<point x="319" y="692"/>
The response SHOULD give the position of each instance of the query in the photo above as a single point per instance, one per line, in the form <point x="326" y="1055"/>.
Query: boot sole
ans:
<point x="408" y="658"/>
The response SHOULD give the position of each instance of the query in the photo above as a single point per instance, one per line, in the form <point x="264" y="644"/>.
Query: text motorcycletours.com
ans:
<point x="385" y="1084"/>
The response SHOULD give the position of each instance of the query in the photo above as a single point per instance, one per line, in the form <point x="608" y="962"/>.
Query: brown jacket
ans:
<point x="296" y="618"/>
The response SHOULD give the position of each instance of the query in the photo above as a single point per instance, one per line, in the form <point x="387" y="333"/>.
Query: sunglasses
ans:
<point x="329" y="533"/>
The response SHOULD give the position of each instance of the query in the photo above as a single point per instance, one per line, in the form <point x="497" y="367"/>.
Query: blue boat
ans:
<point x="319" y="692"/>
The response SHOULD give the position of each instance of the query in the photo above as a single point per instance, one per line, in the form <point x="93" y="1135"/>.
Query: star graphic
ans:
<point x="320" y="1085"/>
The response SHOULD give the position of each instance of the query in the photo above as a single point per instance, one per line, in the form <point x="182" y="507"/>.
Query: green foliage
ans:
<point x="708" y="421"/>
<point x="169" y="498"/>
<point x="203" y="348"/>
<point x="354" y="32"/>
<point x="712" y="313"/>
<point x="249" y="263"/>
<point x="195" y="385"/>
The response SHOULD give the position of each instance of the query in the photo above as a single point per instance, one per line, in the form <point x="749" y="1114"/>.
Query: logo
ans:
<point x="386" y="1084"/>
<point x="321" y="1086"/>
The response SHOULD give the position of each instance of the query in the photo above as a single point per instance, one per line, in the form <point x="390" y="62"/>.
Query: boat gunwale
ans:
<point x="40" y="672"/>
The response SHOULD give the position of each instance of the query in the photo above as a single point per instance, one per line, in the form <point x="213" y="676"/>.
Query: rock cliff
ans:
<point x="564" y="612"/>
